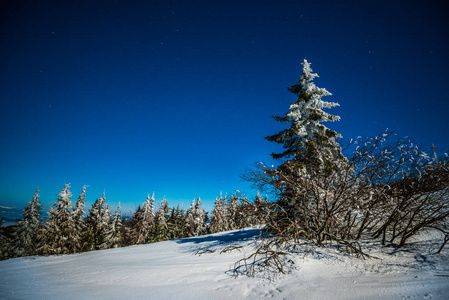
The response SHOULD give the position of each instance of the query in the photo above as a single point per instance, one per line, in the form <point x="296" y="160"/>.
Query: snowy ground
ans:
<point x="170" y="270"/>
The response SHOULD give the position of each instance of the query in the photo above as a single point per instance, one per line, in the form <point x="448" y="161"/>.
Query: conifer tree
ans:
<point x="80" y="225"/>
<point x="307" y="140"/>
<point x="161" y="232"/>
<point x="195" y="224"/>
<point x="142" y="223"/>
<point x="219" y="220"/>
<point x="28" y="227"/>
<point x="199" y="217"/>
<point x="59" y="235"/>
<point x="98" y="223"/>
<point x="114" y="235"/>
<point x="190" y="220"/>
<point x="233" y="212"/>
<point x="177" y="223"/>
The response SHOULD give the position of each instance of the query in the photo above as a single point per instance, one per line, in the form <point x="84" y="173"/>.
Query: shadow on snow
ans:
<point x="220" y="239"/>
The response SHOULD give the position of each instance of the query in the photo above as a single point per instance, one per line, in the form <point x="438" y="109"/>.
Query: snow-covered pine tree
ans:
<point x="28" y="227"/>
<point x="161" y="232"/>
<point x="177" y="223"/>
<point x="190" y="220"/>
<point x="142" y="224"/>
<point x="98" y="222"/>
<point x="195" y="219"/>
<point x="58" y="236"/>
<point x="199" y="218"/>
<point x="80" y="226"/>
<point x="233" y="212"/>
<point x="219" y="220"/>
<point x="307" y="140"/>
<point x="114" y="235"/>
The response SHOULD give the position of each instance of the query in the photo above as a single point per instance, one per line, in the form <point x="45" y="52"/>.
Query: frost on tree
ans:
<point x="98" y="223"/>
<point x="80" y="226"/>
<point x="219" y="221"/>
<point x="59" y="234"/>
<point x="161" y="232"/>
<point x="28" y="227"/>
<point x="143" y="222"/>
<point x="307" y="140"/>
<point x="114" y="234"/>
<point x="195" y="219"/>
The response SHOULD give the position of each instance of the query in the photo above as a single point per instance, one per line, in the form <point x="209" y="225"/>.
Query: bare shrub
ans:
<point x="386" y="188"/>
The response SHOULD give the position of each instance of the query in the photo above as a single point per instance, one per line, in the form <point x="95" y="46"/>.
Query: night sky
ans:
<point x="176" y="97"/>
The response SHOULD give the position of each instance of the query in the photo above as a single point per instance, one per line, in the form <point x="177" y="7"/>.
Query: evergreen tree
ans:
<point x="219" y="220"/>
<point x="28" y="227"/>
<point x="177" y="223"/>
<point x="195" y="219"/>
<point x="98" y="223"/>
<point x="190" y="220"/>
<point x="233" y="212"/>
<point x="59" y="234"/>
<point x="142" y="224"/>
<point x="114" y="235"/>
<point x="308" y="141"/>
<point x="80" y="225"/>
<point x="200" y="218"/>
<point x="161" y="232"/>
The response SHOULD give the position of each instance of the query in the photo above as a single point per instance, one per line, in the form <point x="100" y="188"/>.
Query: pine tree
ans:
<point x="80" y="225"/>
<point x="190" y="220"/>
<point x="308" y="141"/>
<point x="114" y="235"/>
<point x="142" y="224"/>
<point x="98" y="223"/>
<point x="59" y="235"/>
<point x="195" y="219"/>
<point x="219" y="220"/>
<point x="177" y="223"/>
<point x="233" y="212"/>
<point x="28" y="227"/>
<point x="199" y="217"/>
<point x="161" y="232"/>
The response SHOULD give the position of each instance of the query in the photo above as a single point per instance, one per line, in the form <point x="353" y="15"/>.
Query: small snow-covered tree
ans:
<point x="190" y="220"/>
<point x="233" y="212"/>
<point x="177" y="223"/>
<point x="142" y="223"/>
<point x="195" y="219"/>
<point x="219" y="221"/>
<point x="98" y="223"/>
<point x="59" y="235"/>
<point x="28" y="227"/>
<point x="161" y="232"/>
<point x="114" y="235"/>
<point x="307" y="140"/>
<point x="78" y="220"/>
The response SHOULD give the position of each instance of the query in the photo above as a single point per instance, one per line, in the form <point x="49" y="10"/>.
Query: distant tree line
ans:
<point x="70" y="230"/>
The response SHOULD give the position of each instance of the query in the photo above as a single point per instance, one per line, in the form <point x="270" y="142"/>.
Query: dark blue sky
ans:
<point x="175" y="97"/>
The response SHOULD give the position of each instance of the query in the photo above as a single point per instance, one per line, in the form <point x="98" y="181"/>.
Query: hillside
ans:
<point x="171" y="270"/>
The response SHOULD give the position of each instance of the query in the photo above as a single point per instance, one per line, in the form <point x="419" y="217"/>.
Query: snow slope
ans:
<point x="171" y="270"/>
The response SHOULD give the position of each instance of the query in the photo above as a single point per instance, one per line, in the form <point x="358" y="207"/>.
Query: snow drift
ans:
<point x="172" y="270"/>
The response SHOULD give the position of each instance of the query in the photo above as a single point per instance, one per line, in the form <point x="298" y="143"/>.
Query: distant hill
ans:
<point x="10" y="215"/>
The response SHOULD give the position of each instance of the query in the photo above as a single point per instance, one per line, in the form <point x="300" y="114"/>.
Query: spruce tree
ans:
<point x="307" y="140"/>
<point x="28" y="227"/>
<point x="80" y="226"/>
<point x="114" y="235"/>
<point x="58" y="236"/>
<point x="142" y="223"/>
<point x="98" y="223"/>
<point x="219" y="220"/>
<point x="190" y="220"/>
<point x="161" y="232"/>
